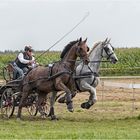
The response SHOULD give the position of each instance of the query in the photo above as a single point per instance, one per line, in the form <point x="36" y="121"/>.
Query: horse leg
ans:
<point x="92" y="98"/>
<point x="68" y="96"/>
<point x="62" y="99"/>
<point x="22" y="103"/>
<point x="73" y="93"/>
<point x="52" y="101"/>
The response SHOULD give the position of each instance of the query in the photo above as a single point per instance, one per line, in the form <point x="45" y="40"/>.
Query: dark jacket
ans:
<point x="21" y="65"/>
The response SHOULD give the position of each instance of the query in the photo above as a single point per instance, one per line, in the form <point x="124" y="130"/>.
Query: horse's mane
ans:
<point x="67" y="48"/>
<point x="94" y="46"/>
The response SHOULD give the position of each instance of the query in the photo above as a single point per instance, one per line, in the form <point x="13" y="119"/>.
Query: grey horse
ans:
<point x="88" y="74"/>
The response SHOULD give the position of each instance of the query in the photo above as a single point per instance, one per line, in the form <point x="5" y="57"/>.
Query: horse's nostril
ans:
<point x="116" y="60"/>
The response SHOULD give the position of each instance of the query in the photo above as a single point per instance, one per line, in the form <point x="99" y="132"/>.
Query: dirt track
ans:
<point x="116" y="102"/>
<point x="112" y="93"/>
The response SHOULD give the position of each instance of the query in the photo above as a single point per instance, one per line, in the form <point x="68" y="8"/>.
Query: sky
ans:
<point x="41" y="23"/>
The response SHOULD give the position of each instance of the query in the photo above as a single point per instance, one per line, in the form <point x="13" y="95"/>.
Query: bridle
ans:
<point x="105" y="48"/>
<point x="79" y="54"/>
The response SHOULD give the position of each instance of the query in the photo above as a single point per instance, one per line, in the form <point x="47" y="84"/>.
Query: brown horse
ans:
<point x="56" y="78"/>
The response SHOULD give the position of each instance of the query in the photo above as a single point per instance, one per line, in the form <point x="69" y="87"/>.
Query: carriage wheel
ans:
<point x="7" y="103"/>
<point x="45" y="107"/>
<point x="7" y="74"/>
<point x="32" y="108"/>
<point x="46" y="104"/>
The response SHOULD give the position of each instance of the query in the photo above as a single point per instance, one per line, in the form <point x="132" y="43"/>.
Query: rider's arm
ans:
<point x="22" y="60"/>
<point x="33" y="58"/>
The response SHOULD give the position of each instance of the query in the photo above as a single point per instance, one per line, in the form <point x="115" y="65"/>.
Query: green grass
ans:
<point x="128" y="128"/>
<point x="99" y="122"/>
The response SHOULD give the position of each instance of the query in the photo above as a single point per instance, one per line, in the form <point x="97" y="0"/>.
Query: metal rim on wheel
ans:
<point x="7" y="103"/>
<point x="33" y="110"/>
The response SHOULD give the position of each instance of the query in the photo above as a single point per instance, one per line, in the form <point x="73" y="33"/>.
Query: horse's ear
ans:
<point x="85" y="40"/>
<point x="108" y="40"/>
<point x="104" y="42"/>
<point x="80" y="40"/>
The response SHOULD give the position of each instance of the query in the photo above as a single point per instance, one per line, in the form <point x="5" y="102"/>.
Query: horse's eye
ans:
<point x="79" y="49"/>
<point x="106" y="49"/>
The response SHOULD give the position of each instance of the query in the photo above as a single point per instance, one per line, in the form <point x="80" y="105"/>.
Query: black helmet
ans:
<point x="28" y="48"/>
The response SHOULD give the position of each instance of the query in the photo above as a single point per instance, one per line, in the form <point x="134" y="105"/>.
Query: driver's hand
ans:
<point x="31" y="61"/>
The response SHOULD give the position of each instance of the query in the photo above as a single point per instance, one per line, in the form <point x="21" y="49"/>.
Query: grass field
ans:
<point x="116" y="115"/>
<point x="71" y="127"/>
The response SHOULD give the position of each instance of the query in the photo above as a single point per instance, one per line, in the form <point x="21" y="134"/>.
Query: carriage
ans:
<point x="10" y="94"/>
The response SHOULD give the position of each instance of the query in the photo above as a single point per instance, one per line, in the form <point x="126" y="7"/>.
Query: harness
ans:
<point x="106" y="51"/>
<point x="50" y="66"/>
<point x="68" y="69"/>
<point x="52" y="77"/>
<point x="85" y="75"/>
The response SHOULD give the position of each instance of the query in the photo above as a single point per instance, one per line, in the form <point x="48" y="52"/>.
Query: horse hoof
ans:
<point x="61" y="100"/>
<point x="70" y="107"/>
<point x="71" y="110"/>
<point x="85" y="105"/>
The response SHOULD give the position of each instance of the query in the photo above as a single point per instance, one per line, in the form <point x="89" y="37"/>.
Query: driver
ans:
<point x="24" y="62"/>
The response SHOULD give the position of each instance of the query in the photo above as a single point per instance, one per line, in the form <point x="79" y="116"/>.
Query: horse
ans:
<point x="90" y="80"/>
<point x="57" y="77"/>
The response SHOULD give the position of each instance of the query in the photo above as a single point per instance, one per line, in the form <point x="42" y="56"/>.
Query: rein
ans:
<point x="97" y="61"/>
<point x="46" y="78"/>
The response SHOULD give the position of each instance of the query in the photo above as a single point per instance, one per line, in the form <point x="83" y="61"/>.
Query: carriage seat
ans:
<point x="15" y="74"/>
<point x="8" y="71"/>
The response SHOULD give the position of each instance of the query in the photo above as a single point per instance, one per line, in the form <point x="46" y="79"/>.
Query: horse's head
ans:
<point x="108" y="51"/>
<point x="82" y="50"/>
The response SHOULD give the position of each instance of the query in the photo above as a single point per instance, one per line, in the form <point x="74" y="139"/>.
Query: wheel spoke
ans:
<point x="7" y="103"/>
